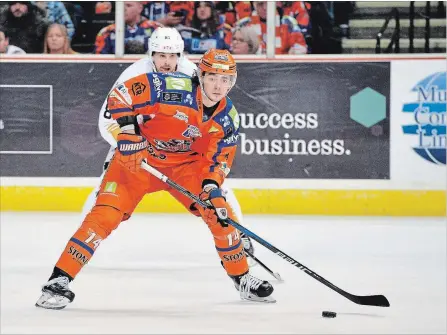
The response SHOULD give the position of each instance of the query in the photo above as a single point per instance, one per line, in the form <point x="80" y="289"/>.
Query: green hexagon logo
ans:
<point x="368" y="107"/>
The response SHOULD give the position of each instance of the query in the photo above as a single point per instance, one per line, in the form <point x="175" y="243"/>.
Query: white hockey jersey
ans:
<point x="108" y="127"/>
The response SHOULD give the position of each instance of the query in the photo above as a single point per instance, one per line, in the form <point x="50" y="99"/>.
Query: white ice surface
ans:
<point x="161" y="274"/>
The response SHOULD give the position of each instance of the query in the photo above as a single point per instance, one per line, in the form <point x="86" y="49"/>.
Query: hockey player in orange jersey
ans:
<point x="188" y="129"/>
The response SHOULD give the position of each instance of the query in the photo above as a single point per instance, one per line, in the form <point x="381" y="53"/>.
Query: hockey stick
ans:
<point x="266" y="268"/>
<point x="369" y="300"/>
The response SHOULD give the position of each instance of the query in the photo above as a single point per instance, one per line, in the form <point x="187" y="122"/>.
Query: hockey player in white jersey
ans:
<point x="165" y="53"/>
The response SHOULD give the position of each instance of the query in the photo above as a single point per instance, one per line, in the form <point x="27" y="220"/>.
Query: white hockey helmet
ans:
<point x="168" y="40"/>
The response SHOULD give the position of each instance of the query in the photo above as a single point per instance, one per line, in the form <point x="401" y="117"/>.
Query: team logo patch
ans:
<point x="221" y="57"/>
<point x="181" y="116"/>
<point x="124" y="93"/>
<point x="138" y="88"/>
<point x="224" y="168"/>
<point x="110" y="187"/>
<point x="172" y="97"/>
<point x="178" y="84"/>
<point x="213" y="130"/>
<point x="235" y="117"/>
<point x="191" y="132"/>
<point x="225" y="121"/>
<point x="173" y="145"/>
<point x="188" y="99"/>
<point x="222" y="213"/>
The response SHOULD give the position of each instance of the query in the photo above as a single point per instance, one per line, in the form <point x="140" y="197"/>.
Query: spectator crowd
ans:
<point x="88" y="27"/>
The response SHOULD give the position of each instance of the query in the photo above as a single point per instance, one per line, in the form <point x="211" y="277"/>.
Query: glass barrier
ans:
<point x="300" y="27"/>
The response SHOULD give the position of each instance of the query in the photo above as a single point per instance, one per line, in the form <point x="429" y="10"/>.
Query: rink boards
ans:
<point x="370" y="140"/>
<point x="253" y="200"/>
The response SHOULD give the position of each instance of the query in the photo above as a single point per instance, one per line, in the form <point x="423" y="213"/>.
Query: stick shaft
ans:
<point x="374" y="300"/>
<point x="265" y="267"/>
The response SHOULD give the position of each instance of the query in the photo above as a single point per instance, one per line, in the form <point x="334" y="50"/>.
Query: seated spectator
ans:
<point x="25" y="25"/>
<point x="155" y="10"/>
<point x="243" y="9"/>
<point x="234" y="10"/>
<point x="300" y="11"/>
<point x="138" y="29"/>
<point x="6" y="48"/>
<point x="245" y="41"/>
<point x="57" y="40"/>
<point x="88" y="18"/>
<point x="167" y="13"/>
<point x="103" y="7"/>
<point x="289" y="38"/>
<point x="208" y="30"/>
<point x="185" y="8"/>
<point x="56" y="12"/>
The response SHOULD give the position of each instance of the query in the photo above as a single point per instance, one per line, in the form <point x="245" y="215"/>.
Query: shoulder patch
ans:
<point x="235" y="117"/>
<point x="213" y="130"/>
<point x="122" y="89"/>
<point x="176" y="83"/>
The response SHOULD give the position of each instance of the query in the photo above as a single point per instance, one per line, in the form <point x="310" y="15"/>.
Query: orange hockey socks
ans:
<point x="97" y="225"/>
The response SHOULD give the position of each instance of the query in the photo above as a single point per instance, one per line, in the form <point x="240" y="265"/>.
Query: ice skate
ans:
<point x="55" y="294"/>
<point x="253" y="289"/>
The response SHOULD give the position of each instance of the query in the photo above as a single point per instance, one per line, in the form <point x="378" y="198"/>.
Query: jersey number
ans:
<point x="95" y="242"/>
<point x="232" y="237"/>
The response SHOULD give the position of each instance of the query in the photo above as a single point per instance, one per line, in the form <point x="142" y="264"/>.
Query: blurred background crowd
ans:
<point x="301" y="27"/>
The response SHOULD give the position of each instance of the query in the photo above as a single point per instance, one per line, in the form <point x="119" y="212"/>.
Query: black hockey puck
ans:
<point x="328" y="314"/>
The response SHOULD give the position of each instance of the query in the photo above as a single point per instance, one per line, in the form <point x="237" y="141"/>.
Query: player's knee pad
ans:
<point x="102" y="220"/>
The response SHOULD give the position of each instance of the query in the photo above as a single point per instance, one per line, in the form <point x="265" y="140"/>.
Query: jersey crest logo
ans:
<point x="173" y="145"/>
<point x="138" y="88"/>
<point x="181" y="116"/>
<point x="191" y="132"/>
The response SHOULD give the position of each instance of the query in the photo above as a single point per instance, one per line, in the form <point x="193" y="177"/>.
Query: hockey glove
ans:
<point x="218" y="210"/>
<point x="131" y="151"/>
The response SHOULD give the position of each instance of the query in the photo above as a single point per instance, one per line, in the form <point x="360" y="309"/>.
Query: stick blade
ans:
<point x="371" y="300"/>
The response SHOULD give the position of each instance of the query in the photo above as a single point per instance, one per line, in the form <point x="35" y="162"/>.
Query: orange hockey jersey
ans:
<point x="170" y="115"/>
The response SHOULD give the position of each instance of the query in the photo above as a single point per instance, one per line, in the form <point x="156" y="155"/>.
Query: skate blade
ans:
<point x="267" y="300"/>
<point x="49" y="301"/>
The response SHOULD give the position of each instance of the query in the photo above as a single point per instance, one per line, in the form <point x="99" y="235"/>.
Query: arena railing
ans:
<point x="395" y="37"/>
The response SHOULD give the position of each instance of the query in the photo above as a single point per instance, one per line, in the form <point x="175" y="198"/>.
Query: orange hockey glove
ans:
<point x="131" y="151"/>
<point x="218" y="210"/>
